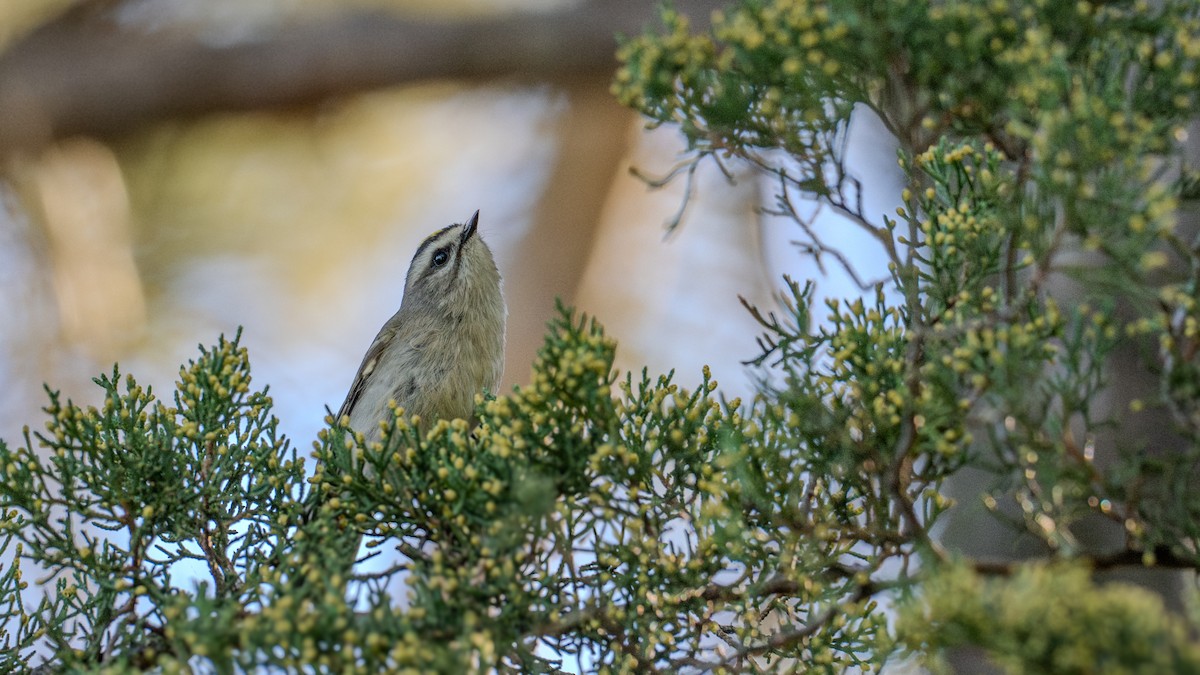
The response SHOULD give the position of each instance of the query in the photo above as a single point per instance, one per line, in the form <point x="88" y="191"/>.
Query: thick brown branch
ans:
<point x="74" y="77"/>
<point x="1161" y="556"/>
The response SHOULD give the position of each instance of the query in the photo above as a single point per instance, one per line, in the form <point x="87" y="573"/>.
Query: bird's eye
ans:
<point x="440" y="258"/>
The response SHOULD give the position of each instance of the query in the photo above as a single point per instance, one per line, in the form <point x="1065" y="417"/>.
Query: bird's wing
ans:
<point x="369" y="362"/>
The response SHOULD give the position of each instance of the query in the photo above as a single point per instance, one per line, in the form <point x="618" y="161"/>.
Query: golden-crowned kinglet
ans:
<point x="444" y="345"/>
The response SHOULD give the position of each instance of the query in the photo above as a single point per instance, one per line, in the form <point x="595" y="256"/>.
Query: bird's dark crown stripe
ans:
<point x="430" y="240"/>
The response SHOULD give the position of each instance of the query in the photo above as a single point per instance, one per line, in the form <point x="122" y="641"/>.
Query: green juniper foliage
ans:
<point x="1051" y="619"/>
<point x="616" y="523"/>
<point x="1042" y="147"/>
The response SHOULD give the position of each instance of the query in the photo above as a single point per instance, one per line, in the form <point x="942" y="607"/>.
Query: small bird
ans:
<point x="444" y="345"/>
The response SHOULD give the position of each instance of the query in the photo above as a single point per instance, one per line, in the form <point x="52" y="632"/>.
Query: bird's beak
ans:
<point x="469" y="229"/>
